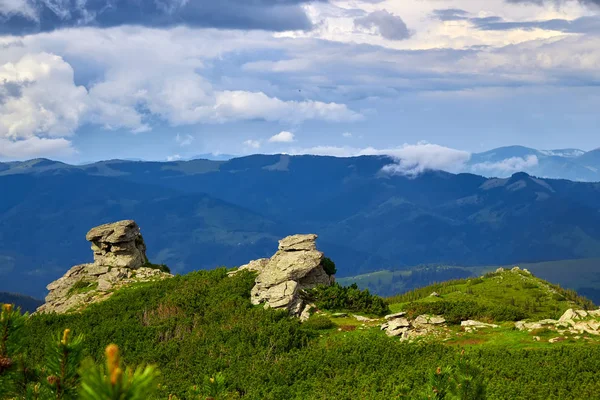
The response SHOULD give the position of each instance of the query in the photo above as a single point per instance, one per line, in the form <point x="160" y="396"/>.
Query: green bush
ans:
<point x="329" y="266"/>
<point x="318" y="322"/>
<point x="347" y="298"/>
<point x="82" y="286"/>
<point x="160" y="267"/>
<point x="456" y="311"/>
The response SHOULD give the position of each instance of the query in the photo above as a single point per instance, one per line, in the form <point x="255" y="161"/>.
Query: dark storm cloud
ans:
<point x="390" y="26"/>
<point x="47" y="15"/>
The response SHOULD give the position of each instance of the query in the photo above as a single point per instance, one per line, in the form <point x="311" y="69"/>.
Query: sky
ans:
<point x="171" y="79"/>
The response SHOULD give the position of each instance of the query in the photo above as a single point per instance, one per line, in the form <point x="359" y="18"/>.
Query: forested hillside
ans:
<point x="203" y="325"/>
<point x="202" y="214"/>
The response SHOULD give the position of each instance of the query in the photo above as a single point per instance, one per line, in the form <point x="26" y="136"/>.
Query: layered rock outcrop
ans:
<point x="423" y="325"/>
<point x="119" y="259"/>
<point x="296" y="266"/>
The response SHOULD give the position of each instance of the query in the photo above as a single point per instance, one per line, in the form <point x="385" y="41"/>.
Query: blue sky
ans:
<point x="169" y="79"/>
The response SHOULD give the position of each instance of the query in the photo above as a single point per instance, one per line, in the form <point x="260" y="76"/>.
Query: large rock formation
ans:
<point x="119" y="259"/>
<point x="296" y="266"/>
<point x="119" y="244"/>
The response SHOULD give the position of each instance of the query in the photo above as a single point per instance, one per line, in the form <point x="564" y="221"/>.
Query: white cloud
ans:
<point x="415" y="159"/>
<point x="347" y="134"/>
<point x="44" y="101"/>
<point x="282" y="137"/>
<point x="253" y="144"/>
<point x="35" y="147"/>
<point x="184" y="140"/>
<point x="506" y="166"/>
<point x="410" y="159"/>
<point x="174" y="157"/>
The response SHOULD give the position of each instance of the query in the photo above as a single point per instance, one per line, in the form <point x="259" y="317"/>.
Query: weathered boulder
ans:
<point x="429" y="320"/>
<point x="119" y="244"/>
<point x="296" y="266"/>
<point x="472" y="326"/>
<point x="396" y="315"/>
<point x="119" y="256"/>
<point x="569" y="315"/>
<point x="254" y="266"/>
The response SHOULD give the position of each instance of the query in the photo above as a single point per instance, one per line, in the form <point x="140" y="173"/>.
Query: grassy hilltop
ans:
<point x="201" y="324"/>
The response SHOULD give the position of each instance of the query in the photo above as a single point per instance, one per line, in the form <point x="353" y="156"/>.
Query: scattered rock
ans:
<point x="395" y="324"/>
<point x="477" y="324"/>
<point x="360" y="318"/>
<point x="339" y="315"/>
<point x="500" y="270"/>
<point x="429" y="320"/>
<point x="569" y="315"/>
<point x="537" y="338"/>
<point x="119" y="256"/>
<point x="396" y="315"/>
<point x="296" y="266"/>
<point x="434" y="294"/>
<point x="556" y="339"/>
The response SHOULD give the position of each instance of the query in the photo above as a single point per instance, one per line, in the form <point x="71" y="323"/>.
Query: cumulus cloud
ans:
<point x="282" y="137"/>
<point x="26" y="16"/>
<point x="506" y="166"/>
<point x="347" y="134"/>
<point x="40" y="98"/>
<point x="388" y="25"/>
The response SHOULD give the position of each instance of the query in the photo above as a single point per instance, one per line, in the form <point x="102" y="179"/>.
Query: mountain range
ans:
<point x="200" y="214"/>
<point x="572" y="164"/>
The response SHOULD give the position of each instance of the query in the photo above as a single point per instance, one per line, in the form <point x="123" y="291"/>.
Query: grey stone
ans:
<point x="477" y="324"/>
<point x="396" y="315"/>
<point x="118" y="244"/>
<point x="295" y="267"/>
<point x="119" y="253"/>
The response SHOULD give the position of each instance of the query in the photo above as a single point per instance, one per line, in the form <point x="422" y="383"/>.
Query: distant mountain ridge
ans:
<point x="202" y="214"/>
<point x="502" y="162"/>
<point x="571" y="164"/>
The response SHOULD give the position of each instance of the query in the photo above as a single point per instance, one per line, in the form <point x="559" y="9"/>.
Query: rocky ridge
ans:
<point x="119" y="259"/>
<point x="296" y="266"/>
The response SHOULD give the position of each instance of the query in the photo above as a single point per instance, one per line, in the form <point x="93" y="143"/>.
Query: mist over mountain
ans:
<point x="201" y="214"/>
<point x="572" y="164"/>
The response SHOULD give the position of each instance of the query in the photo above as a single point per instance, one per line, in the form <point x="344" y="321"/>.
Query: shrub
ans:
<point x="160" y="267"/>
<point x="318" y="322"/>
<point x="456" y="311"/>
<point x="328" y="266"/>
<point x="82" y="286"/>
<point x="349" y="298"/>
<point x="115" y="382"/>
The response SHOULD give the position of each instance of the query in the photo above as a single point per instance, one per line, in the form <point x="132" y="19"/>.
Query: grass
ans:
<point x="581" y="275"/>
<point x="515" y="292"/>
<point x="82" y="287"/>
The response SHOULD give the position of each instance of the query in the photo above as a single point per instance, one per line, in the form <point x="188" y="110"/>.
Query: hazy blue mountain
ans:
<point x="27" y="304"/>
<point x="204" y="213"/>
<point x="572" y="164"/>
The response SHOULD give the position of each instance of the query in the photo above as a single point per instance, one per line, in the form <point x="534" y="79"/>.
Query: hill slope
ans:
<point x="197" y="325"/>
